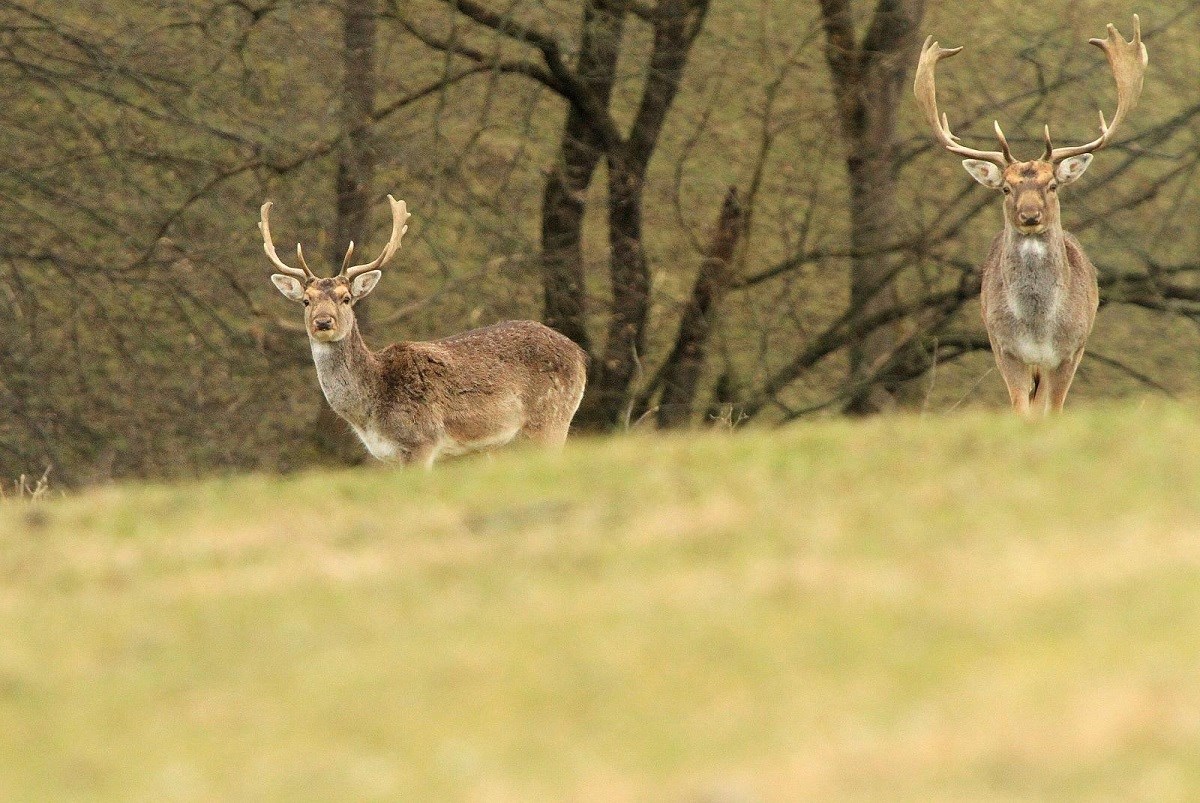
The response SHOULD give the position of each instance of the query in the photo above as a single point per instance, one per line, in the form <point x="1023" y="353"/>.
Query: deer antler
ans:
<point x="925" y="89"/>
<point x="1128" y="61"/>
<point x="265" y="226"/>
<point x="399" y="226"/>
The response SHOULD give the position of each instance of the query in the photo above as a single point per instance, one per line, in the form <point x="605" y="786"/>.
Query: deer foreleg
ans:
<point x="1018" y="377"/>
<point x="1058" y="381"/>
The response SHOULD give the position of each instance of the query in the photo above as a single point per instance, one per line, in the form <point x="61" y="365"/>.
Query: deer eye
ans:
<point x="346" y="300"/>
<point x="1007" y="189"/>
<point x="1052" y="187"/>
<point x="305" y="302"/>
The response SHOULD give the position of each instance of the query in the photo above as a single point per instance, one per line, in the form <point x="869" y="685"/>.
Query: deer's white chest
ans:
<point x="1033" y="296"/>
<point x="1032" y="289"/>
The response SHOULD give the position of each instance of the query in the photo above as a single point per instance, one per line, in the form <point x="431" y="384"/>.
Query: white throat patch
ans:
<point x="336" y="380"/>
<point x="1033" y="247"/>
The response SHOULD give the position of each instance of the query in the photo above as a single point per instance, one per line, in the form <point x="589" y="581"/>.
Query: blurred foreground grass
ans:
<point x="901" y="608"/>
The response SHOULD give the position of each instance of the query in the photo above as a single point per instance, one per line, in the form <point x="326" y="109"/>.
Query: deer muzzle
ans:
<point x="1029" y="218"/>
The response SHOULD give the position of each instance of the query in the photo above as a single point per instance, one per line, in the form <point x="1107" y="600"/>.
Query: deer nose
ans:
<point x="323" y="323"/>
<point x="1030" y="218"/>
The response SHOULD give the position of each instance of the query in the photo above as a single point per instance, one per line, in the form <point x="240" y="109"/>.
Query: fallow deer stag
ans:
<point x="412" y="402"/>
<point x="1039" y="289"/>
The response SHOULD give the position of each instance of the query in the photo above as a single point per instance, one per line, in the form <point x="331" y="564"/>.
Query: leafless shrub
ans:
<point x="27" y="489"/>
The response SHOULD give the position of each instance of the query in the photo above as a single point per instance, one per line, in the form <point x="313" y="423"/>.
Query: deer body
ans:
<point x="413" y="402"/>
<point x="1039" y="292"/>
<point x="1039" y="299"/>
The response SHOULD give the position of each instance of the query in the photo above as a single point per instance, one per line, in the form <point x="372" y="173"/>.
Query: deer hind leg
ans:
<point x="551" y="422"/>
<point x="549" y="432"/>
<point x="421" y="455"/>
<point x="1058" y="382"/>
<point x="1019" y="379"/>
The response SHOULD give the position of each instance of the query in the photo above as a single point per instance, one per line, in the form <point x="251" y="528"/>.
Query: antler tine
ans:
<point x="346" y="259"/>
<point x="925" y="88"/>
<point x="399" y="226"/>
<point x="1008" y="157"/>
<point x="1128" y="62"/>
<point x="264" y="225"/>
<point x="303" y="263"/>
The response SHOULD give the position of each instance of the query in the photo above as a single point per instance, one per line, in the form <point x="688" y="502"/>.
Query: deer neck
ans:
<point x="343" y="369"/>
<point x="1042" y="255"/>
<point x="1035" y="273"/>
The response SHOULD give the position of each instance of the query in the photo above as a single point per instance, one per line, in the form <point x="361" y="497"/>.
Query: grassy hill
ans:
<point x="957" y="607"/>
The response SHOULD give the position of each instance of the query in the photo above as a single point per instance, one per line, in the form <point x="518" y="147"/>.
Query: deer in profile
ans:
<point x="1039" y="292"/>
<point x="413" y="402"/>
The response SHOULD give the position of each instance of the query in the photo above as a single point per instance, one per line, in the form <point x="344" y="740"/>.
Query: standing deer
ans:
<point x="1039" y="289"/>
<point x="412" y="402"/>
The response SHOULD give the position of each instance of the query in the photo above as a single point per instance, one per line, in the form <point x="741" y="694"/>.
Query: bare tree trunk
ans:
<point x="676" y="25"/>
<point x="352" y="183"/>
<point x="681" y="371"/>
<point x="356" y="158"/>
<point x="869" y="80"/>
<point x="591" y="132"/>
<point x="580" y="151"/>
<point x="630" y="277"/>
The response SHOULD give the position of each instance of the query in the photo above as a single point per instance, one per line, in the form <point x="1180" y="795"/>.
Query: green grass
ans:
<point x="959" y="607"/>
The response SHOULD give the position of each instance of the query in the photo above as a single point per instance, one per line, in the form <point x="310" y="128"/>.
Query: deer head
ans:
<point x="1030" y="188"/>
<point x="329" y="303"/>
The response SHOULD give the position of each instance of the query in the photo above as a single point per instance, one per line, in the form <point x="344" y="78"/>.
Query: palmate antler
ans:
<point x="399" y="226"/>
<point x="925" y="88"/>
<point x="1127" y="60"/>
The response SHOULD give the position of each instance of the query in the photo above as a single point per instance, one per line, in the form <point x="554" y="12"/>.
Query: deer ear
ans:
<point x="288" y="286"/>
<point x="985" y="173"/>
<point x="360" y="286"/>
<point x="1068" y="170"/>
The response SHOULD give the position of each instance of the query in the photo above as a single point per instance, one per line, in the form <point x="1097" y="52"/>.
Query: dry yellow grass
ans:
<point x="909" y="608"/>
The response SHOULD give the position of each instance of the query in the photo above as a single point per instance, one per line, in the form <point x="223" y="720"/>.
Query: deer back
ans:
<point x="490" y="378"/>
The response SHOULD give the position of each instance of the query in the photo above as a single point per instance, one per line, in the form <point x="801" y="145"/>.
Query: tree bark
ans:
<point x="589" y="134"/>
<point x="564" y="199"/>
<point x="354" y="182"/>
<point x="869" y="81"/>
<point x="681" y="371"/>
<point x="676" y="25"/>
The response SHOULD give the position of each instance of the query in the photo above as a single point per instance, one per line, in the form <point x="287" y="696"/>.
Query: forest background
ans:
<point x="733" y="206"/>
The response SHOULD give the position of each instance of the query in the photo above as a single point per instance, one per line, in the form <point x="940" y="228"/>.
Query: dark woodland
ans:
<point x="733" y="207"/>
